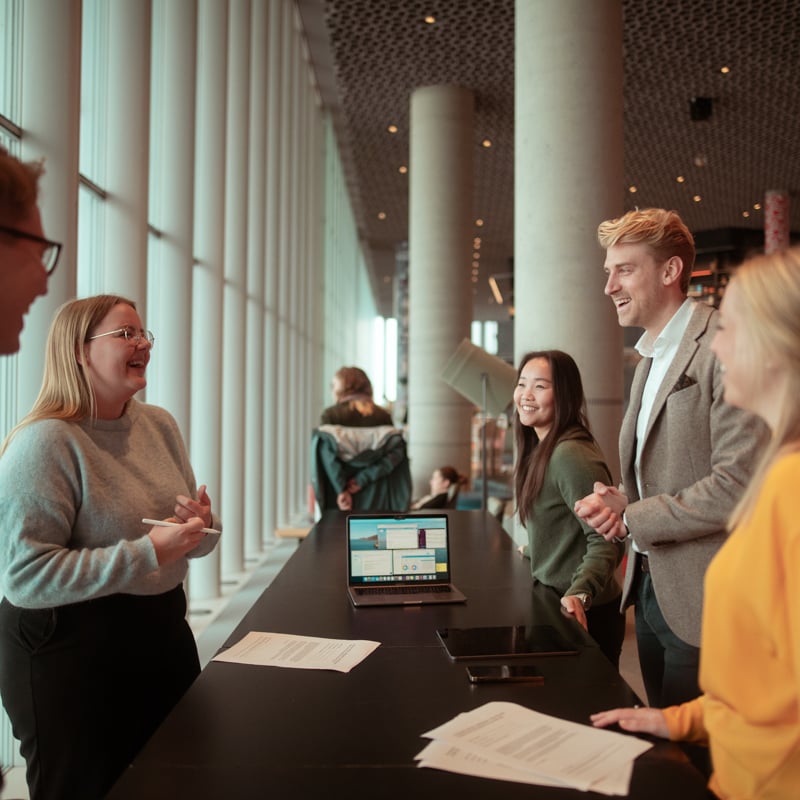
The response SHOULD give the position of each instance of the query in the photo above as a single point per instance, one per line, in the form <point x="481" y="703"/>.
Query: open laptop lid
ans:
<point x="398" y="549"/>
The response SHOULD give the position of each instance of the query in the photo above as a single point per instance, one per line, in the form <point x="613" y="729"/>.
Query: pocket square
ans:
<point x="684" y="382"/>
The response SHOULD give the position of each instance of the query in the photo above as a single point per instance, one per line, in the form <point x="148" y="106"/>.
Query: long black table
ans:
<point x="251" y="732"/>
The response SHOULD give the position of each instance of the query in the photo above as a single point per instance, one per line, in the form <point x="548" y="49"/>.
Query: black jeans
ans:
<point x="85" y="685"/>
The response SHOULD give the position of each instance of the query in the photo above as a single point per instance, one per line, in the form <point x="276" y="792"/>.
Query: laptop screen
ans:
<point x="397" y="549"/>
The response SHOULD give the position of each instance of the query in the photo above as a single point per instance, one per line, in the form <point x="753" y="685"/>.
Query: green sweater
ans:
<point x="565" y="553"/>
<point x="72" y="499"/>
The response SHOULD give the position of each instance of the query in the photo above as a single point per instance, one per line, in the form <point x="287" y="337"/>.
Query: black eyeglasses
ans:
<point x="51" y="252"/>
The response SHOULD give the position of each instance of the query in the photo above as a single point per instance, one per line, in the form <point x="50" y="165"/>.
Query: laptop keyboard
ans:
<point x="404" y="589"/>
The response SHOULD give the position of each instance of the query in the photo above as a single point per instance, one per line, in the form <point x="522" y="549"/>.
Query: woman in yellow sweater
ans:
<point x="750" y="664"/>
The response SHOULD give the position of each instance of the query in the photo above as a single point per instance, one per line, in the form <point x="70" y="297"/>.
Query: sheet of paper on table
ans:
<point x="297" y="652"/>
<point x="506" y="741"/>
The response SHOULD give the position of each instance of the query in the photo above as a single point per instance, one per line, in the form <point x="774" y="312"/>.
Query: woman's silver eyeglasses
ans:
<point x="51" y="251"/>
<point x="129" y="334"/>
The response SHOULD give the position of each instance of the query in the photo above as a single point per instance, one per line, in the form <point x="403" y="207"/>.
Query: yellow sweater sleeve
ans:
<point x="685" y="722"/>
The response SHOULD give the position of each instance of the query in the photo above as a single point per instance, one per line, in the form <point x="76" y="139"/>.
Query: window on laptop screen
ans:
<point x="398" y="550"/>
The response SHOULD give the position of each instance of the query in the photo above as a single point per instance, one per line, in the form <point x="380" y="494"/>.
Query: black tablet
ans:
<point x="506" y="641"/>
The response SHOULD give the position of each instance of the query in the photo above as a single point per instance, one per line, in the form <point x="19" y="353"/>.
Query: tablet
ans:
<point x="506" y="641"/>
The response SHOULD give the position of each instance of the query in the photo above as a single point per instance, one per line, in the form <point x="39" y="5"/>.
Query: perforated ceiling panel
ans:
<point x="371" y="54"/>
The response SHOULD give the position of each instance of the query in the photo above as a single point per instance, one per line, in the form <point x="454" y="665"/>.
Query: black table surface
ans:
<point x="246" y="731"/>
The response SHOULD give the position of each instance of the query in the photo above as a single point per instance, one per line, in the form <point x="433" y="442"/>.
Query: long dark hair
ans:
<point x="570" y="422"/>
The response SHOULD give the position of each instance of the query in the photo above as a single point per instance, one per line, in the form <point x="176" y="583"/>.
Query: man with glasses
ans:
<point x="27" y="258"/>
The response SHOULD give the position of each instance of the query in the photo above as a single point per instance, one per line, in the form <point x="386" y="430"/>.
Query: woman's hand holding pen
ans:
<point x="186" y="508"/>
<point x="172" y="543"/>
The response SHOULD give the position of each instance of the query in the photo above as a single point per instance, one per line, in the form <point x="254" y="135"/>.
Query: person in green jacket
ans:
<point x="558" y="461"/>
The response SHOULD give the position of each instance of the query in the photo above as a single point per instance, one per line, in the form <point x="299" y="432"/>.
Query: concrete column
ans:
<point x="235" y="286"/>
<point x="127" y="152"/>
<point x="568" y="178"/>
<point x="440" y="298"/>
<point x="171" y="284"/>
<point x="51" y="57"/>
<point x="209" y="206"/>
<point x="776" y="220"/>
<point x="254" y="342"/>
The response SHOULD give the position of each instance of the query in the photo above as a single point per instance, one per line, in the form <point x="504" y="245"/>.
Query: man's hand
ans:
<point x="603" y="510"/>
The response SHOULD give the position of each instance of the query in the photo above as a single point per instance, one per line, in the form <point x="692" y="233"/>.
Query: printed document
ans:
<point x="509" y="742"/>
<point x="297" y="652"/>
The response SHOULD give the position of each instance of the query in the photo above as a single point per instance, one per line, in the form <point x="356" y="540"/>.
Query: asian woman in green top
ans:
<point x="558" y="461"/>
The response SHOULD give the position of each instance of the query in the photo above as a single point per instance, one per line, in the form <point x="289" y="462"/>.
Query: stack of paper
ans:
<point x="297" y="652"/>
<point x="508" y="742"/>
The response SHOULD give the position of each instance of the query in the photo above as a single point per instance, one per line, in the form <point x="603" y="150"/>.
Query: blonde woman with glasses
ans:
<point x="94" y="645"/>
<point x="749" y="712"/>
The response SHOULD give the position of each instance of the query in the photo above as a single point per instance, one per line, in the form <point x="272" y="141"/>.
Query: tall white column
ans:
<point x="235" y="288"/>
<point x="569" y="177"/>
<point x="272" y="216"/>
<point x="442" y="144"/>
<point x="127" y="151"/>
<point x="171" y="284"/>
<point x="254" y="349"/>
<point x="286" y="265"/>
<point x="209" y="205"/>
<point x="51" y="58"/>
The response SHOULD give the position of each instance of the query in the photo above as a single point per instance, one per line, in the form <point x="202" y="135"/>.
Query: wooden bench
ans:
<point x="292" y="533"/>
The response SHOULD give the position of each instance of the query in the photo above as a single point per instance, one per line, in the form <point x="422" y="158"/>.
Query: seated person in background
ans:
<point x="354" y="406"/>
<point x="445" y="483"/>
<point x="558" y="459"/>
<point x="749" y="712"/>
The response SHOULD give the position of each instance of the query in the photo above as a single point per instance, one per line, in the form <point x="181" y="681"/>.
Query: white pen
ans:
<point x="164" y="524"/>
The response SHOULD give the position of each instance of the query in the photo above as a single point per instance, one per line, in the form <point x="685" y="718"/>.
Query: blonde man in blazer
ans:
<point x="686" y="455"/>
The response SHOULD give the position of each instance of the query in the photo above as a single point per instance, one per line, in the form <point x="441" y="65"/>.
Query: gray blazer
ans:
<point x="698" y="455"/>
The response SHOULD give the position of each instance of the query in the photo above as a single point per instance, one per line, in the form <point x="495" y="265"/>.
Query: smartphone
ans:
<point x="505" y="673"/>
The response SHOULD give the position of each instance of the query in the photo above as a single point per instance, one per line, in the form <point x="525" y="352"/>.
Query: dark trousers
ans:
<point x="669" y="665"/>
<point x="85" y="685"/>
<point x="607" y="628"/>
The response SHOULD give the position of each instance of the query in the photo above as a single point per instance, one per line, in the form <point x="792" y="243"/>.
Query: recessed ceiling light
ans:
<point x="697" y="198"/>
<point x="680" y="179"/>
<point x="486" y="143"/>
<point x="725" y="70"/>
<point x="402" y="170"/>
<point x="757" y="206"/>
<point x="700" y="160"/>
<point x="632" y="189"/>
<point x="476" y="264"/>
<point x="746" y="214"/>
<point x="430" y="19"/>
<point x="381" y="215"/>
<point x="476" y="256"/>
<point x="479" y="223"/>
<point x="392" y="129"/>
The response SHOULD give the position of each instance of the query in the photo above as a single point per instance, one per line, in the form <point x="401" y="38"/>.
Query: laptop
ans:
<point x="399" y="559"/>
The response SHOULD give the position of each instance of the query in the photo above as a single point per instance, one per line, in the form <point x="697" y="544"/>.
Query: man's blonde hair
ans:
<point x="19" y="187"/>
<point x="664" y="232"/>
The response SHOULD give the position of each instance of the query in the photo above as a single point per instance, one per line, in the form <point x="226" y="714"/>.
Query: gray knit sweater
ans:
<point x="72" y="499"/>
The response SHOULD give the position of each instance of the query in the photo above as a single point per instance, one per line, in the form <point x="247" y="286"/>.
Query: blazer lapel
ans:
<point x="627" y="434"/>
<point x="675" y="375"/>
